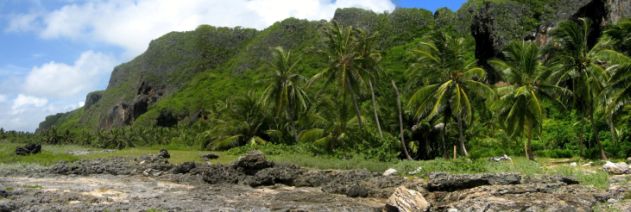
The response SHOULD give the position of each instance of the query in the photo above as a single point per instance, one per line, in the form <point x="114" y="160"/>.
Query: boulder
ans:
<point x="389" y="172"/>
<point x="184" y="168"/>
<point x="164" y="154"/>
<point x="28" y="149"/>
<point x="210" y="156"/>
<point x="449" y="182"/>
<point x="252" y="163"/>
<point x="629" y="160"/>
<point x="404" y="199"/>
<point x="616" y="168"/>
<point x="500" y="158"/>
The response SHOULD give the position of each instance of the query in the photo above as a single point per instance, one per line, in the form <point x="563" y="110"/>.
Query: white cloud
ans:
<point x="23" y="102"/>
<point x="3" y="98"/>
<point x="133" y="24"/>
<point x="62" y="80"/>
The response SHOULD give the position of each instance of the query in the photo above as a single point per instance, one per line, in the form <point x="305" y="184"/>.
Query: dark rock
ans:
<point x="449" y="182"/>
<point x="275" y="175"/>
<point x="219" y="174"/>
<point x="164" y="154"/>
<point x="115" y="166"/>
<point x="210" y="156"/>
<point x="4" y="193"/>
<point x="252" y="163"/>
<point x="184" y="168"/>
<point x="92" y="98"/>
<point x="28" y="149"/>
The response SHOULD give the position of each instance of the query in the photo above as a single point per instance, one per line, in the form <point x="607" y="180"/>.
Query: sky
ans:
<point x="54" y="52"/>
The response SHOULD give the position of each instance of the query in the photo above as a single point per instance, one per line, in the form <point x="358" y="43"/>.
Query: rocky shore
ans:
<point x="255" y="184"/>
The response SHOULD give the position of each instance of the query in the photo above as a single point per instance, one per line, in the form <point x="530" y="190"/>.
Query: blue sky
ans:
<point x="53" y="52"/>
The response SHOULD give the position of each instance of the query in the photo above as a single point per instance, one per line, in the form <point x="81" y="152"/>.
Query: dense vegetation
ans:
<point x="399" y="85"/>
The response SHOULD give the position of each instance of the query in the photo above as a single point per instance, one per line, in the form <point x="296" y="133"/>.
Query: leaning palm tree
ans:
<point x="520" y="110"/>
<point x="454" y="81"/>
<point x="344" y="65"/>
<point x="578" y="69"/>
<point x="285" y="93"/>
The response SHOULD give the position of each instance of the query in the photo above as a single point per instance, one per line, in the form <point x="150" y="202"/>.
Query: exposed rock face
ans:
<point x="618" y="9"/>
<point x="448" y="182"/>
<point x="404" y="199"/>
<point x="92" y="98"/>
<point x="120" y="115"/>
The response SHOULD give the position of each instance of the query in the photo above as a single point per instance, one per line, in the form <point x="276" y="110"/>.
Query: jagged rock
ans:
<point x="389" y="172"/>
<point x="616" y="168"/>
<point x="184" y="168"/>
<point x="210" y="156"/>
<point x="404" y="199"/>
<point x="449" y="182"/>
<point x="252" y="163"/>
<point x="164" y="154"/>
<point x="275" y="175"/>
<point x="151" y="172"/>
<point x="522" y="197"/>
<point x="28" y="149"/>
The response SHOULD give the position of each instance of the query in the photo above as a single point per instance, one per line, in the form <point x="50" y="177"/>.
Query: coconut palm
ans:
<point x="285" y="93"/>
<point x="368" y="59"/>
<point x="344" y="62"/>
<point x="520" y="110"/>
<point x="578" y="69"/>
<point x="454" y="80"/>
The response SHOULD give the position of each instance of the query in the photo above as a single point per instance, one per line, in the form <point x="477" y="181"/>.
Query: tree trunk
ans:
<point x="455" y="152"/>
<point x="374" y="108"/>
<point x="596" y="138"/>
<point x="527" y="145"/>
<point x="462" y="138"/>
<point x="612" y="129"/>
<point x="405" y="148"/>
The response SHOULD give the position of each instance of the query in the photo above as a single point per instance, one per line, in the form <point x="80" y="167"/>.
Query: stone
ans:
<point x="28" y="149"/>
<point x="616" y="168"/>
<point x="404" y="199"/>
<point x="416" y="171"/>
<point x="501" y="158"/>
<point x="449" y="182"/>
<point x="629" y="160"/>
<point x="164" y="154"/>
<point x="252" y="163"/>
<point x="184" y="168"/>
<point x="210" y="156"/>
<point x="573" y="164"/>
<point x="389" y="172"/>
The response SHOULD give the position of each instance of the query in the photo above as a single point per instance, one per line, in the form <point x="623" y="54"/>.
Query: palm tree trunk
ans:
<point x="374" y="108"/>
<point x="462" y="138"/>
<point x="527" y="145"/>
<point x="405" y="148"/>
<point x="356" y="106"/>
<point x="596" y="138"/>
<point x="612" y="129"/>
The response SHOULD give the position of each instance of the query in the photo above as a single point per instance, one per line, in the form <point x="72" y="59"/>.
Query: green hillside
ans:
<point x="330" y="85"/>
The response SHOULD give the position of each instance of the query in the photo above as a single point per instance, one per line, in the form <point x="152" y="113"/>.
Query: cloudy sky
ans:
<point x="53" y="52"/>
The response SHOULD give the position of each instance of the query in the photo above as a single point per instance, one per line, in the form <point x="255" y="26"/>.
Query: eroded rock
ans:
<point x="616" y="168"/>
<point x="28" y="149"/>
<point x="404" y="199"/>
<point x="449" y="182"/>
<point x="252" y="163"/>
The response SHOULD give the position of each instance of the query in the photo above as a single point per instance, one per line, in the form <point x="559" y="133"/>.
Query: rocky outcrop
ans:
<point x="404" y="199"/>
<point x="92" y="98"/>
<point x="449" y="182"/>
<point x="28" y="149"/>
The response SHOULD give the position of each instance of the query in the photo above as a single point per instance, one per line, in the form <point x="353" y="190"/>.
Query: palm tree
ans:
<point x="368" y="59"/>
<point x="520" y="110"/>
<point x="344" y="63"/>
<point x="285" y="92"/>
<point x="578" y="69"/>
<point x="454" y="79"/>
